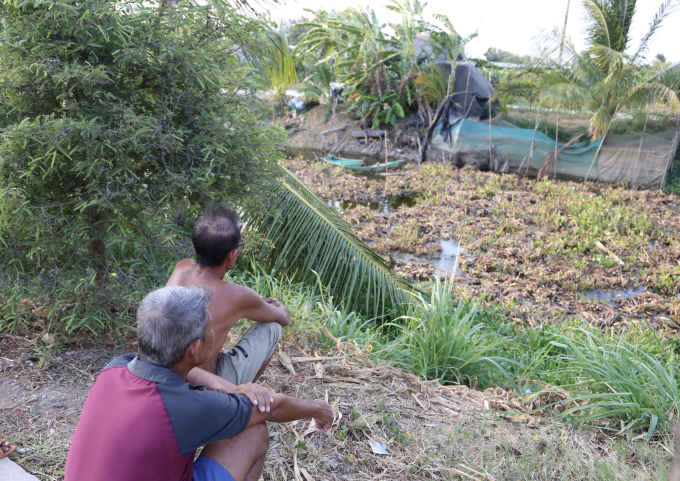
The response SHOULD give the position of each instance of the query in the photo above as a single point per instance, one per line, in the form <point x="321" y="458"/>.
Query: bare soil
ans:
<point x="306" y="134"/>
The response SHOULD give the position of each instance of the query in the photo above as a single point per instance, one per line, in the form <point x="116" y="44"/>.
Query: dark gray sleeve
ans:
<point x="201" y="417"/>
<point x="120" y="361"/>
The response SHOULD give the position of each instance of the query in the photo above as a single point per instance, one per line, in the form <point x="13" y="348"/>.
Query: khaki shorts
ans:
<point x="240" y="365"/>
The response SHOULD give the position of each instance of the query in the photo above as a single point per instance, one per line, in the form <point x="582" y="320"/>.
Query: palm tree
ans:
<point x="604" y="78"/>
<point x="275" y="63"/>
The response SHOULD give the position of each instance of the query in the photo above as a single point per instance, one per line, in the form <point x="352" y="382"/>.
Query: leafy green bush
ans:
<point x="113" y="114"/>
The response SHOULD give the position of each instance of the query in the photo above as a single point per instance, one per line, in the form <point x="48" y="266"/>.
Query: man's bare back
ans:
<point x="230" y="303"/>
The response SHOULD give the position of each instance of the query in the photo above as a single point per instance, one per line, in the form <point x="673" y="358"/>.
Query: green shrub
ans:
<point x="621" y="382"/>
<point x="445" y="339"/>
<point x="114" y="118"/>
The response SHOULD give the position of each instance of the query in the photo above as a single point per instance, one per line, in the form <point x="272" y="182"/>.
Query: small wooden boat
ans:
<point x="358" y="165"/>
<point x="371" y="134"/>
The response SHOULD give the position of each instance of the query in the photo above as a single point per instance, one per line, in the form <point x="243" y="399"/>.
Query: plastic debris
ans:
<point x="378" y="447"/>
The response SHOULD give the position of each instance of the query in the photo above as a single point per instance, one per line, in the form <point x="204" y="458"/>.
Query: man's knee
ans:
<point x="275" y="331"/>
<point x="260" y="439"/>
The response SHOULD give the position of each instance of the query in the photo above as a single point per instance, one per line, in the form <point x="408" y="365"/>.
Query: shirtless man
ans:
<point x="217" y="240"/>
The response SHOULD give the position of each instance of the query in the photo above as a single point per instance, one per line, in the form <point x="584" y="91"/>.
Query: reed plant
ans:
<point x="622" y="385"/>
<point x="446" y="339"/>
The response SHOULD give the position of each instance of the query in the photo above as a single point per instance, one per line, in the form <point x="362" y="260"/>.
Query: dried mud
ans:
<point x="305" y="133"/>
<point x="540" y="248"/>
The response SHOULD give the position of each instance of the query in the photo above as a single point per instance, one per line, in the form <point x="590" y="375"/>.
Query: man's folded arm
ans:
<point x="258" y="395"/>
<point x="201" y="377"/>
<point x="285" y="409"/>
<point x="259" y="309"/>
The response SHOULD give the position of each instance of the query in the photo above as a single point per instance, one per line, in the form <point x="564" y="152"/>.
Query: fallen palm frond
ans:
<point x="305" y="235"/>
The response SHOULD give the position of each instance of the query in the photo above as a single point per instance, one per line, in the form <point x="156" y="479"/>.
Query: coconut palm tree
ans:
<point x="275" y="63"/>
<point x="604" y="78"/>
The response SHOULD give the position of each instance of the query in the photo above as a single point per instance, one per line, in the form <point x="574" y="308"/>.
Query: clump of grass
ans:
<point x="628" y="377"/>
<point x="445" y="339"/>
<point x="620" y="382"/>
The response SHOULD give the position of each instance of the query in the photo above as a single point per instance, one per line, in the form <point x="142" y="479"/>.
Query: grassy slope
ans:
<point x="423" y="444"/>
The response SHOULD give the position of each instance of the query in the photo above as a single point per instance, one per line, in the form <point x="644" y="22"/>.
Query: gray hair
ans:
<point x="168" y="320"/>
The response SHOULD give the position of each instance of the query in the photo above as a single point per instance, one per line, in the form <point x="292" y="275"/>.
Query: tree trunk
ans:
<point x="564" y="31"/>
<point x="97" y="246"/>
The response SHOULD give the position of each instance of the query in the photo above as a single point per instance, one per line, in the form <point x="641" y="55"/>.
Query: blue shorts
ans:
<point x="206" y="469"/>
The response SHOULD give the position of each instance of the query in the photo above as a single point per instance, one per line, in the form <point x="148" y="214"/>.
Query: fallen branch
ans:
<point x="338" y="129"/>
<point x="618" y="260"/>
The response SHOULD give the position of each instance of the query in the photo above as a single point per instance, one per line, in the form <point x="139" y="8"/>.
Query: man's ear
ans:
<point x="194" y="350"/>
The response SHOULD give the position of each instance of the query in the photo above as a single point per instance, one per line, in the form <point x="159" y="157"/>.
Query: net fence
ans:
<point x="640" y="159"/>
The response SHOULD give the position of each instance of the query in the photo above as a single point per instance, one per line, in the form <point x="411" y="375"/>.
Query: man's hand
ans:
<point x="324" y="420"/>
<point x="260" y="396"/>
<point x="273" y="301"/>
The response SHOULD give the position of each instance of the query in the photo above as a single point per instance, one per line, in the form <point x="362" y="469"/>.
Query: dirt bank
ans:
<point x="306" y="134"/>
<point x="429" y="431"/>
<point x="548" y="250"/>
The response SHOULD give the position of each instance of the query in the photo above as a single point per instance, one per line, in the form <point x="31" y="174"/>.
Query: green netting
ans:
<point x="641" y="159"/>
<point x="508" y="149"/>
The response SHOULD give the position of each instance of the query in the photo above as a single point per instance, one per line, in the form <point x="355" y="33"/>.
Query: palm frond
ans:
<point x="276" y="63"/>
<point x="561" y="90"/>
<point x="600" y="123"/>
<point x="603" y="24"/>
<point x="625" y="14"/>
<point x="648" y="92"/>
<point x="665" y="9"/>
<point x="432" y="85"/>
<point x="669" y="77"/>
<point x="307" y="236"/>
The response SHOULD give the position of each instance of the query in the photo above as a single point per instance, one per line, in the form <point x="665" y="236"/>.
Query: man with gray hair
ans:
<point x="142" y="421"/>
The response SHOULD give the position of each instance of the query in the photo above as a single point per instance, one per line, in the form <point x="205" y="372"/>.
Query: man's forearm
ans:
<point x="285" y="409"/>
<point x="198" y="376"/>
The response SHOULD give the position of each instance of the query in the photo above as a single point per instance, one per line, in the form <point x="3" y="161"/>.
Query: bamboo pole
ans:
<point x="557" y="131"/>
<point x="601" y="144"/>
<point x="644" y="130"/>
<point x="533" y="140"/>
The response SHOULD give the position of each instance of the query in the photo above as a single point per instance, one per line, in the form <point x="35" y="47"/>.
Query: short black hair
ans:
<point x="215" y="235"/>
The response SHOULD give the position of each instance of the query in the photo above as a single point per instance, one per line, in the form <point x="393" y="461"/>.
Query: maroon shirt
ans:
<point x="141" y="422"/>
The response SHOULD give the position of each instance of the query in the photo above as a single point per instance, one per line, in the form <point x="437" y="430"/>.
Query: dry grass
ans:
<point x="436" y="433"/>
<point x="430" y="431"/>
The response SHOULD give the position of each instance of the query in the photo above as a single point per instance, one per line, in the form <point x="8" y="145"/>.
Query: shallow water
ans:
<point x="308" y="154"/>
<point x="444" y="263"/>
<point x="384" y="206"/>
<point x="614" y="295"/>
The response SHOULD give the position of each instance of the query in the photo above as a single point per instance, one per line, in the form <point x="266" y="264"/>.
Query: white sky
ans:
<point x="509" y="25"/>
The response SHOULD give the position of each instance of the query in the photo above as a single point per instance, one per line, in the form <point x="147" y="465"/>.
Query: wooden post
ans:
<point x="674" y="147"/>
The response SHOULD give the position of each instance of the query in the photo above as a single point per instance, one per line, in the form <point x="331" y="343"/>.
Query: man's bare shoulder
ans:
<point x="185" y="264"/>
<point x="237" y="293"/>
<point x="179" y="273"/>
